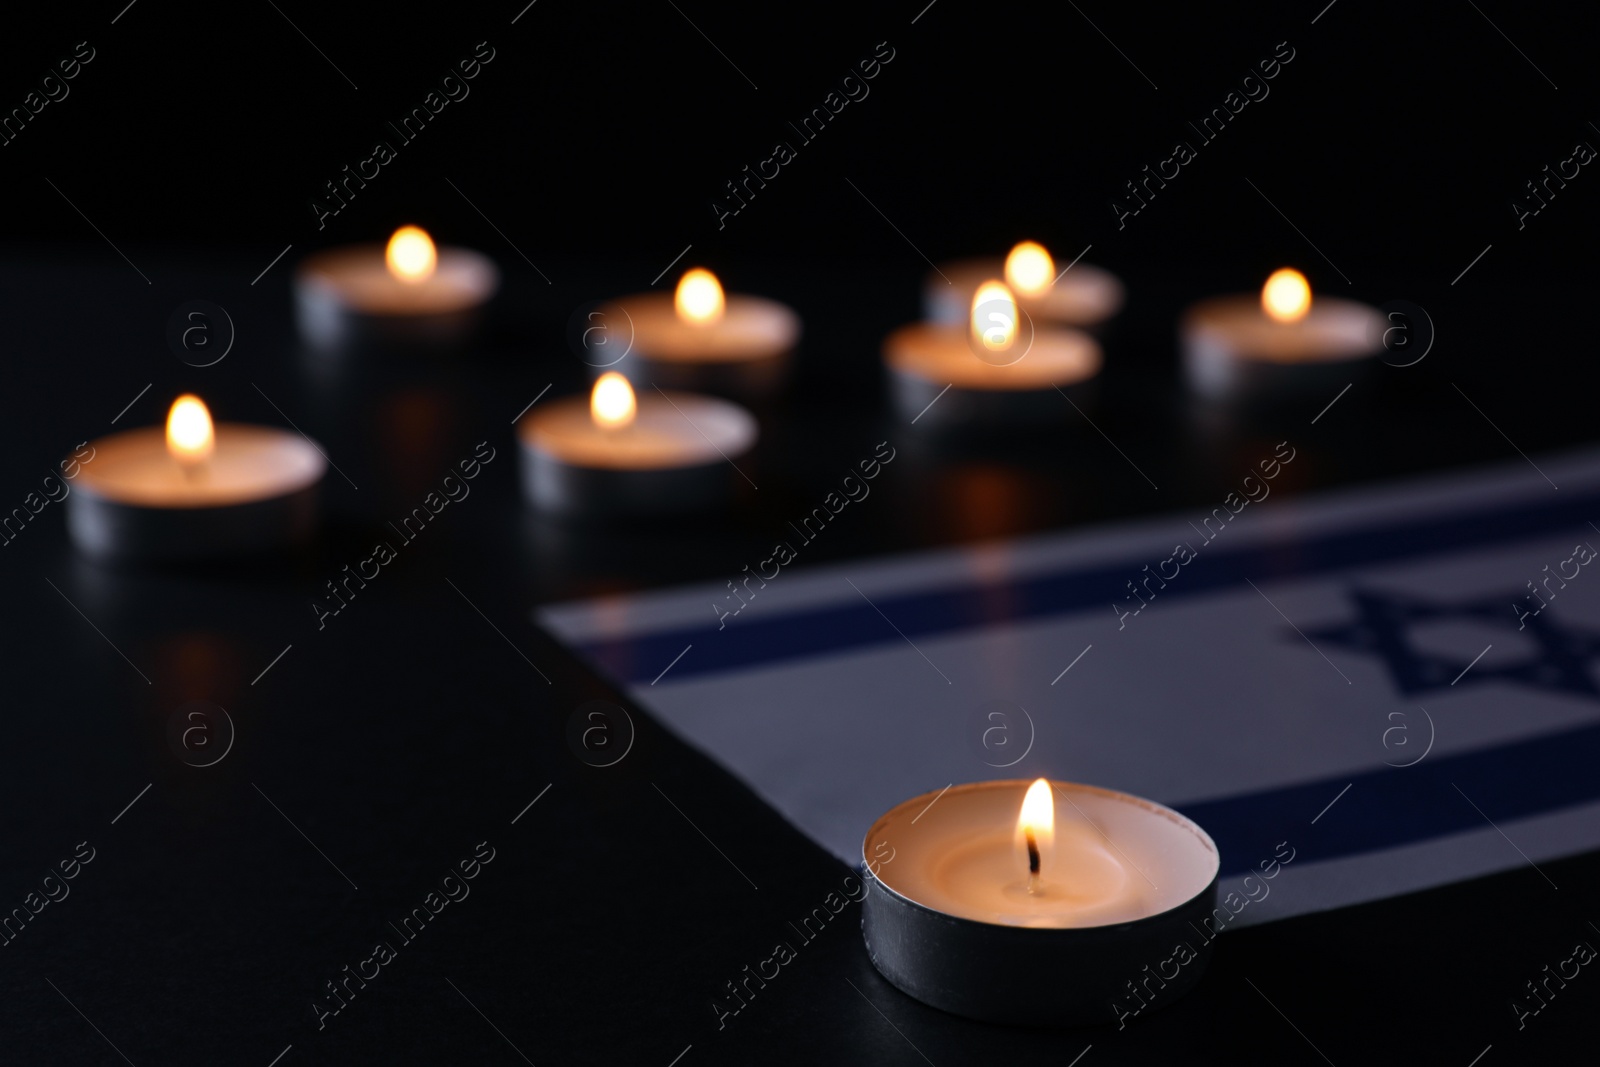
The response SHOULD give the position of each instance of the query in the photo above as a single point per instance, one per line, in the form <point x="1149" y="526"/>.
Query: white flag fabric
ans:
<point x="1393" y="686"/>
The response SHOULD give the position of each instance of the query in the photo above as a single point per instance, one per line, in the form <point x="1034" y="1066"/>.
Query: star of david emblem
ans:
<point x="1559" y="662"/>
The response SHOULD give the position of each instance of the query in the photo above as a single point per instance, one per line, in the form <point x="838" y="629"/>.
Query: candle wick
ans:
<point x="1033" y="862"/>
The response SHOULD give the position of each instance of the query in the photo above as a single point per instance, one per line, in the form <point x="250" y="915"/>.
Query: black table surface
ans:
<point x="414" y="729"/>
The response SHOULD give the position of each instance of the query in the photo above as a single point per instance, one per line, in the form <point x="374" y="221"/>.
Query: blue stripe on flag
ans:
<point x="854" y="624"/>
<point x="1399" y="806"/>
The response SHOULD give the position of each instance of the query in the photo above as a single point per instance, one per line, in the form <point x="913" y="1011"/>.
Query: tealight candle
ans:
<point x="1083" y="296"/>
<point x="700" y="338"/>
<point x="1004" y="905"/>
<point x="995" y="368"/>
<point x="619" y="454"/>
<point x="406" y="295"/>
<point x="195" y="490"/>
<point x="1245" y="347"/>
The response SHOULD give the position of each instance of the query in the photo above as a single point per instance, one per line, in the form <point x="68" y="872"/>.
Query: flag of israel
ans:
<point x="1396" y="684"/>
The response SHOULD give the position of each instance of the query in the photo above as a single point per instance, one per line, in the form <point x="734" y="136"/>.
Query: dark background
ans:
<point x="408" y="730"/>
<point x="1396" y="138"/>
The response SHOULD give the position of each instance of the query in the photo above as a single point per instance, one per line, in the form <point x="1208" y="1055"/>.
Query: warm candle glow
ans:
<point x="190" y="439"/>
<point x="411" y="256"/>
<point x="1287" y="296"/>
<point x="1029" y="268"/>
<point x="699" y="297"/>
<point x="611" y="405"/>
<point x="1036" y="825"/>
<point x="994" y="317"/>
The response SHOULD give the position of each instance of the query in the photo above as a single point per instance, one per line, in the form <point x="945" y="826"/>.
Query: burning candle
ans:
<point x="407" y="294"/>
<point x="701" y="338"/>
<point x="195" y="490"/>
<point x="1084" y="296"/>
<point x="997" y="367"/>
<point x="1035" y="904"/>
<point x="1245" y="347"/>
<point x="619" y="454"/>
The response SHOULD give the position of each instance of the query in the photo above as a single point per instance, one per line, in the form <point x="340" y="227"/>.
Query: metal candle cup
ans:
<point x="1247" y="348"/>
<point x="256" y="492"/>
<point x="1084" y="296"/>
<point x="351" y="299"/>
<point x="937" y="381"/>
<point x="676" y="452"/>
<point x="697" y="338"/>
<point x="951" y="920"/>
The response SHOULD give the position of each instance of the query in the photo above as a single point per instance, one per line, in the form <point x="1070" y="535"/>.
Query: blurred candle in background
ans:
<point x="193" y="490"/>
<point x="700" y="337"/>
<point x="1081" y="295"/>
<point x="995" y="369"/>
<point x="615" y="453"/>
<point x="407" y="295"/>
<point x="1251" y="347"/>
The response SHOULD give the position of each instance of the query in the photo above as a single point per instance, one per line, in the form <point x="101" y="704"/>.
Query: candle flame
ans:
<point x="994" y="317"/>
<point x="411" y="257"/>
<point x="699" y="297"/>
<point x="1038" y="812"/>
<point x="1036" y="826"/>
<point x="190" y="439"/>
<point x="1029" y="268"/>
<point x="1287" y="296"/>
<point x="611" y="405"/>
